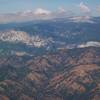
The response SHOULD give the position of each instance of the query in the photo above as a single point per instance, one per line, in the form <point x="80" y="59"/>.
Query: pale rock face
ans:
<point x="23" y="37"/>
<point x="81" y="19"/>
<point x="90" y="44"/>
<point x="13" y="36"/>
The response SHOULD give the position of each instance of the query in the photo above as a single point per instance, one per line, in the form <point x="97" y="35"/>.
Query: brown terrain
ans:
<point x="62" y="75"/>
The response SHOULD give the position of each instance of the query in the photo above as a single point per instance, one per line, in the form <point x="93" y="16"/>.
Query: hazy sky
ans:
<point x="7" y="6"/>
<point x="22" y="10"/>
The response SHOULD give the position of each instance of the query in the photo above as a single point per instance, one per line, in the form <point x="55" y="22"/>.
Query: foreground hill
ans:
<point x="61" y="75"/>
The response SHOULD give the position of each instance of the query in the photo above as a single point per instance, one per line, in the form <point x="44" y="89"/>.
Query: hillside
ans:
<point x="62" y="75"/>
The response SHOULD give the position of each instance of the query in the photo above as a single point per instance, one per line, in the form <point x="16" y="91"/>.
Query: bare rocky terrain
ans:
<point x="62" y="75"/>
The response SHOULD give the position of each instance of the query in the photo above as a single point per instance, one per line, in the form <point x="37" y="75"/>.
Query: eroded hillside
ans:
<point x="62" y="75"/>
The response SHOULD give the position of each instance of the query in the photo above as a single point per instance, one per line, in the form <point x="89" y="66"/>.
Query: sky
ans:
<point x="78" y="7"/>
<point x="7" y="6"/>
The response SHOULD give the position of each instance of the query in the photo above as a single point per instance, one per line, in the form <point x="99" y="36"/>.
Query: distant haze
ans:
<point x="25" y="10"/>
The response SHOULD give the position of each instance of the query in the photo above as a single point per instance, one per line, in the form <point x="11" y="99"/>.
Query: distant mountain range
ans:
<point x="56" y="33"/>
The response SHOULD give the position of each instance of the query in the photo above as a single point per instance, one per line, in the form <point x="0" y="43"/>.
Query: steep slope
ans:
<point x="62" y="75"/>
